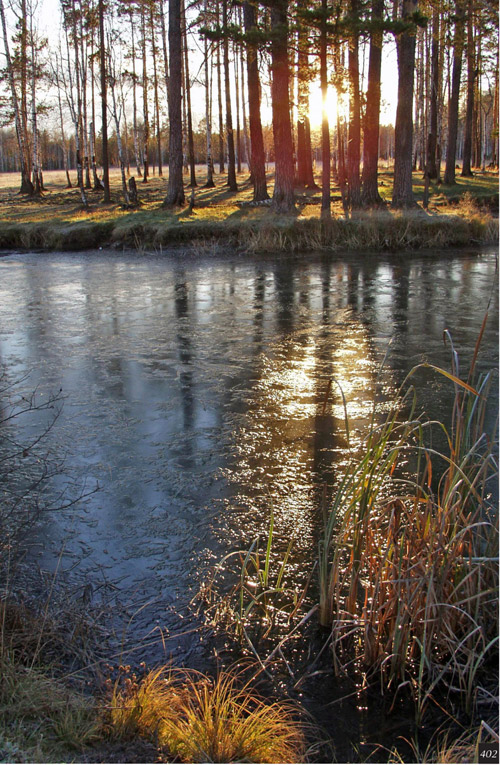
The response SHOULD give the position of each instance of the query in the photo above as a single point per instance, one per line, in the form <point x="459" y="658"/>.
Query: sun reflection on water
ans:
<point x="294" y="430"/>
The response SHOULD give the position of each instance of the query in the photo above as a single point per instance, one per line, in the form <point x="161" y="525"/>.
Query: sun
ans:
<point x="316" y="106"/>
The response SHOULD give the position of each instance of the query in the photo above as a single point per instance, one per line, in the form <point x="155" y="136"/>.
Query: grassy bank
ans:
<point x="457" y="216"/>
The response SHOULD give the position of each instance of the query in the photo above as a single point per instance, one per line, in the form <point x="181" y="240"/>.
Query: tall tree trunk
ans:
<point x="402" y="195"/>
<point x="116" y="117"/>
<point x="79" y="119"/>
<point x="246" y="145"/>
<point x="342" y="175"/>
<point x="145" y="108"/>
<point x="97" y="185"/>
<point x="104" y="105"/>
<point x="155" y="87"/>
<point x="26" y="185"/>
<point x="237" y="91"/>
<point x="69" y="185"/>
<point x="137" y="153"/>
<point x="469" y="108"/>
<point x="208" y="106"/>
<point x="126" y="134"/>
<point x="23" y="62"/>
<point x="257" y="162"/>
<point x="85" y="134"/>
<point x="164" y="44"/>
<point x="418" y="160"/>
<point x="283" y="199"/>
<point x="305" y="175"/>
<point x="458" y="46"/>
<point x="219" y="102"/>
<point x="36" y="167"/>
<point x="477" y="132"/>
<point x="231" y="160"/>
<point x="369" y="195"/>
<point x="432" y="170"/>
<point x="190" y="140"/>
<point x="175" y="192"/>
<point x="325" y="126"/>
<point x="354" y="141"/>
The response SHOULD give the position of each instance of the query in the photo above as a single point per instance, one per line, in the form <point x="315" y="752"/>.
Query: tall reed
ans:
<point x="408" y="566"/>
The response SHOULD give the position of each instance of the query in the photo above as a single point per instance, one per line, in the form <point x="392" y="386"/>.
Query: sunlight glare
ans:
<point x="316" y="106"/>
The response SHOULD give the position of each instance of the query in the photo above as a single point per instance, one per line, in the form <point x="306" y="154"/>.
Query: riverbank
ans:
<point x="457" y="216"/>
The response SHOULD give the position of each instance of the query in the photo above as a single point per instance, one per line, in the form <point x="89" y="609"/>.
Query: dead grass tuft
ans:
<point x="196" y="719"/>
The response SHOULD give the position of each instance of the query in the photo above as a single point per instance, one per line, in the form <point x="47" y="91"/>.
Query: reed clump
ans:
<point x="196" y="719"/>
<point x="409" y="567"/>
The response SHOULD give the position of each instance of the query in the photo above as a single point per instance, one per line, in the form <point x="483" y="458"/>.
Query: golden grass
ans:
<point x="196" y="719"/>
<point x="58" y="220"/>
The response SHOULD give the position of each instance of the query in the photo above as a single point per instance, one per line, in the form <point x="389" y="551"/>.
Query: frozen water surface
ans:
<point x="194" y="390"/>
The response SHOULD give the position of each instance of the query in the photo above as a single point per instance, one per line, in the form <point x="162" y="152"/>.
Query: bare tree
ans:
<point x="26" y="184"/>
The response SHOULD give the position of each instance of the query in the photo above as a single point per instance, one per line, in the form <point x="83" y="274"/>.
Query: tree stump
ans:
<point x="132" y="192"/>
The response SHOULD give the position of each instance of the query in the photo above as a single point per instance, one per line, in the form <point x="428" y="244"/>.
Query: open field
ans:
<point x="457" y="215"/>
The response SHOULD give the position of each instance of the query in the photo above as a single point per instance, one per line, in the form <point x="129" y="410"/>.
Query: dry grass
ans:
<point x="196" y="719"/>
<point x="41" y="718"/>
<point x="448" y="748"/>
<point x="58" y="220"/>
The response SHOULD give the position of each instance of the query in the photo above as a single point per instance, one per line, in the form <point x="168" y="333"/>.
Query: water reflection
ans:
<point x="197" y="391"/>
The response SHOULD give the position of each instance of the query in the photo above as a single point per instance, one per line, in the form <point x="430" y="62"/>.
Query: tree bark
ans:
<point x="402" y="196"/>
<point x="325" y="126"/>
<point x="145" y="109"/>
<point x="134" y="101"/>
<point x="219" y="101"/>
<point x="26" y="185"/>
<point x="258" y="161"/>
<point x="175" y="192"/>
<point x="246" y="143"/>
<point x="369" y="195"/>
<point x="469" y="108"/>
<point x="458" y="46"/>
<point x="23" y="56"/>
<point x="305" y="175"/>
<point x="78" y="116"/>
<point x="354" y="140"/>
<point x="104" y="107"/>
<point x="83" y="79"/>
<point x="190" y="141"/>
<point x="432" y="170"/>
<point x="231" y="159"/>
<point x="283" y="198"/>
<point x="156" y="97"/>
<point x="208" y="107"/>
<point x="237" y="91"/>
<point x="36" y="173"/>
